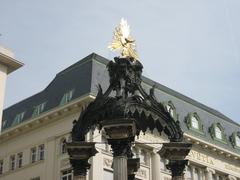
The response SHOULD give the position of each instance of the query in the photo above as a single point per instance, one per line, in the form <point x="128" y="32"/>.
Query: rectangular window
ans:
<point x="38" y="109"/>
<point x="33" y="154"/>
<point x="18" y="118"/>
<point x="19" y="159"/>
<point x="1" y="166"/>
<point x="67" y="97"/>
<point x="67" y="175"/>
<point x="41" y="152"/>
<point x="12" y="162"/>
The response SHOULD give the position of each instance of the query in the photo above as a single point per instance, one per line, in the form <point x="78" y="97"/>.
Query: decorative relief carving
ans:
<point x="142" y="173"/>
<point x="64" y="163"/>
<point x="201" y="157"/>
<point x="150" y="138"/>
<point x="107" y="162"/>
<point x="232" y="168"/>
<point x="214" y="163"/>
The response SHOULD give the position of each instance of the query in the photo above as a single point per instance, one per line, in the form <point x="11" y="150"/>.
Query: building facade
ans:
<point x="35" y="132"/>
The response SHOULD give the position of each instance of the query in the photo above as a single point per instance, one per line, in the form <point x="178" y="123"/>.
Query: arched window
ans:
<point x="195" y="122"/>
<point x="237" y="141"/>
<point x="218" y="132"/>
<point x="63" y="147"/>
<point x="170" y="109"/>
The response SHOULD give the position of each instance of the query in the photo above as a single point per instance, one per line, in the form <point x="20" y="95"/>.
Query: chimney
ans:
<point x="8" y="64"/>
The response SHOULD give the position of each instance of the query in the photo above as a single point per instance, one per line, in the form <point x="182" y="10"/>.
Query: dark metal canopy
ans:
<point x="126" y="99"/>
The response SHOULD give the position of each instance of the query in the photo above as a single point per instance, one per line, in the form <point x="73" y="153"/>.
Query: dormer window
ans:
<point x="18" y="118"/>
<point x="194" y="123"/>
<point x="235" y="139"/>
<point x="217" y="132"/>
<point x="38" y="109"/>
<point x="171" y="109"/>
<point x="67" y="97"/>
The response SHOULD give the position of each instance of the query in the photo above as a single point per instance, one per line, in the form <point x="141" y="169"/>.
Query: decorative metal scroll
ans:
<point x="130" y="101"/>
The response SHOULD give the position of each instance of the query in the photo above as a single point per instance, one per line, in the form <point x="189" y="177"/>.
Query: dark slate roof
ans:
<point x="84" y="76"/>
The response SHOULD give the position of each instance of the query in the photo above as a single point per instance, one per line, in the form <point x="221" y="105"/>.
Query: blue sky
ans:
<point x="188" y="45"/>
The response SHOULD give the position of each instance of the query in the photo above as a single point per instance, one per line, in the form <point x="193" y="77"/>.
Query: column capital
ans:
<point x="177" y="167"/>
<point x="230" y="177"/>
<point x="121" y="147"/>
<point x="207" y="169"/>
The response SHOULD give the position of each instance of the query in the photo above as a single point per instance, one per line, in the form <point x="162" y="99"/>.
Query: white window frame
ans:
<point x="38" y="109"/>
<point x="18" y="118"/>
<point x="67" y="97"/>
<point x="12" y="162"/>
<point x="41" y="152"/>
<point x="218" y="133"/>
<point x="170" y="110"/>
<point x="1" y="166"/>
<point x="66" y="174"/>
<point x="195" y="121"/>
<point x="20" y="160"/>
<point x="33" y="154"/>
<point x="237" y="140"/>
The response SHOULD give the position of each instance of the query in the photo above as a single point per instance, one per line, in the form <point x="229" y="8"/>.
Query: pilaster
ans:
<point x="155" y="166"/>
<point x="96" y="170"/>
<point x="192" y="169"/>
<point x="209" y="173"/>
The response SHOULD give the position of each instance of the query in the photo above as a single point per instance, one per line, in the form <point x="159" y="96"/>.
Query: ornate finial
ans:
<point x="123" y="41"/>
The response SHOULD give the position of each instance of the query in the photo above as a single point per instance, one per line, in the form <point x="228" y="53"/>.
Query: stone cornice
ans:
<point x="45" y="118"/>
<point x="207" y="145"/>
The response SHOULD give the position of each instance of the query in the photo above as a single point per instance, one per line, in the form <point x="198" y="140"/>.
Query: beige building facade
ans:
<point x="34" y="133"/>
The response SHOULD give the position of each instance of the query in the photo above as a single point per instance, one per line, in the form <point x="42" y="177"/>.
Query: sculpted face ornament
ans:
<point x="123" y="42"/>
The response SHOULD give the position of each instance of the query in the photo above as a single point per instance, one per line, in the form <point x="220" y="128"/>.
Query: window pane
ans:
<point x="41" y="152"/>
<point x="33" y="155"/>
<point x="38" y="109"/>
<point x="195" y="123"/>
<point x="237" y="141"/>
<point x="66" y="97"/>
<point x="18" y="118"/>
<point x="1" y="166"/>
<point x="170" y="110"/>
<point x="19" y="161"/>
<point x="66" y="175"/>
<point x="218" y="133"/>
<point x="12" y="162"/>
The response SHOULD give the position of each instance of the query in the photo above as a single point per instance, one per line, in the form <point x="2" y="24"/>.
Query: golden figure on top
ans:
<point x="123" y="41"/>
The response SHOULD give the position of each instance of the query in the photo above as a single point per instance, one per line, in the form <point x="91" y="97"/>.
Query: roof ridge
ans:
<point x="78" y="63"/>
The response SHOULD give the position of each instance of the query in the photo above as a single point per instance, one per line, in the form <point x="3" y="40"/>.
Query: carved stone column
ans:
<point x="201" y="174"/>
<point x="192" y="168"/>
<point x="156" y="169"/>
<point x="120" y="152"/>
<point x="176" y="153"/>
<point x="209" y="173"/>
<point x="177" y="168"/>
